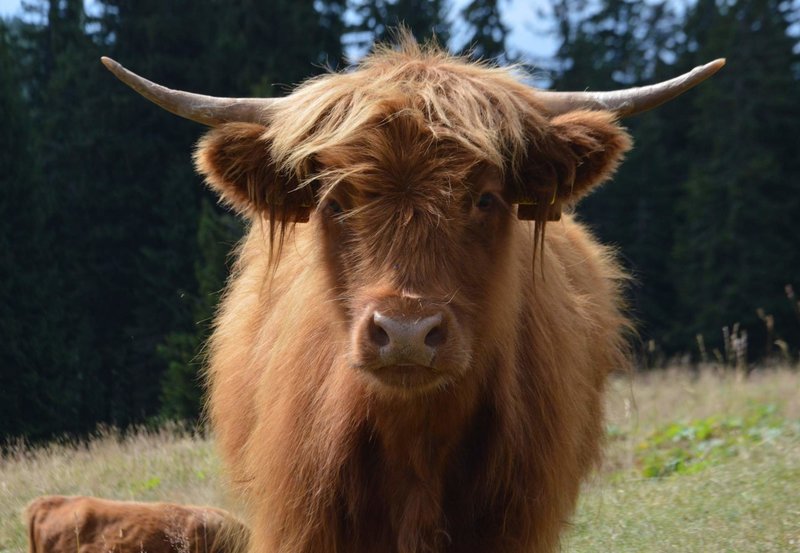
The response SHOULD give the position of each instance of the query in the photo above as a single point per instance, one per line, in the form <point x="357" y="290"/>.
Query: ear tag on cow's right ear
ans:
<point x="540" y="205"/>
<point x="300" y="214"/>
<point x="530" y="212"/>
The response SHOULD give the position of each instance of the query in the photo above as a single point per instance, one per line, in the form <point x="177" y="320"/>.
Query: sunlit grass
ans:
<point x="741" y="493"/>
<point x="169" y="465"/>
<point x="748" y="504"/>
<point x="738" y="492"/>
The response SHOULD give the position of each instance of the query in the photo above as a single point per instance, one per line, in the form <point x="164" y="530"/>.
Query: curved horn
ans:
<point x="208" y="110"/>
<point x="629" y="101"/>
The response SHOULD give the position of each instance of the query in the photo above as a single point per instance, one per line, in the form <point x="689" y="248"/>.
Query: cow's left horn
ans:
<point x="208" y="110"/>
<point x="629" y="101"/>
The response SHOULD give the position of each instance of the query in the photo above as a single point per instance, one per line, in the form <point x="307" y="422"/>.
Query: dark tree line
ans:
<point x="112" y="254"/>
<point x="705" y="208"/>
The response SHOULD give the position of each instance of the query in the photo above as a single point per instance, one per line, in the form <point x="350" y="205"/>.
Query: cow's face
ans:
<point x="417" y="234"/>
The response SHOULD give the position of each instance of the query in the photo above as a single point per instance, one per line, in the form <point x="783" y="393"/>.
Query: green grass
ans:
<point x="694" y="463"/>
<point x="750" y="504"/>
<point x="705" y="463"/>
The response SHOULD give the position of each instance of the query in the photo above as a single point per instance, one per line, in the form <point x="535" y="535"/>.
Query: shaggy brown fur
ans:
<point x="58" y="524"/>
<point x="412" y="164"/>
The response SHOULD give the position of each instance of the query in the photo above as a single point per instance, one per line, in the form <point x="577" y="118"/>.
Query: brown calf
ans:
<point x="59" y="524"/>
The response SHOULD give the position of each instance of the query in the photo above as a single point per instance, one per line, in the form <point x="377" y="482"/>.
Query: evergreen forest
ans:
<point x="113" y="254"/>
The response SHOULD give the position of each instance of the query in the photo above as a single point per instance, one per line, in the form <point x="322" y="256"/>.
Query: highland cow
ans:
<point x="59" y="524"/>
<point x="412" y="350"/>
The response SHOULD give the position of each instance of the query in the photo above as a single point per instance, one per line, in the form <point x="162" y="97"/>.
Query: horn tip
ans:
<point x="110" y="64"/>
<point x="717" y="64"/>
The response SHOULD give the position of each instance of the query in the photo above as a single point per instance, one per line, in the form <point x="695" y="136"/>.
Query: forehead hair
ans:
<point x="482" y="112"/>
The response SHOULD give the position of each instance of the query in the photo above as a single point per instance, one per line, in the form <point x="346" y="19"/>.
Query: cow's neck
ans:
<point x="414" y="440"/>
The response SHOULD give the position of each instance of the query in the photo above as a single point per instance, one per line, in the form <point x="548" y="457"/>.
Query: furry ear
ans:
<point x="580" y="150"/>
<point x="236" y="161"/>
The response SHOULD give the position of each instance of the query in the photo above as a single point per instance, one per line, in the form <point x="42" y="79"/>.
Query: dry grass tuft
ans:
<point x="171" y="464"/>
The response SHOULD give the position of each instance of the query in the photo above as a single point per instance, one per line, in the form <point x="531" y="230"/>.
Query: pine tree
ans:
<point x="181" y="386"/>
<point x="20" y="219"/>
<point x="378" y="19"/>
<point x="275" y="45"/>
<point x="487" y="31"/>
<point x="617" y="44"/>
<point x="277" y="42"/>
<point x="48" y="352"/>
<point x="738" y="244"/>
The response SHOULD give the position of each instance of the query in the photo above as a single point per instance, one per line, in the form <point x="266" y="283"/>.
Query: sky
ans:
<point x="528" y="34"/>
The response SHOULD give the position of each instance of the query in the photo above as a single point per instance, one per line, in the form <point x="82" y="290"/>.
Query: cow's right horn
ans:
<point x="208" y="110"/>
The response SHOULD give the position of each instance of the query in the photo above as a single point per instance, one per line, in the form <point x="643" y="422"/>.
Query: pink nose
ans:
<point x="404" y="340"/>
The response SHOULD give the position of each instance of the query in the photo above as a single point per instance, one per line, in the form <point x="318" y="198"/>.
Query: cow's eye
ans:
<point x="485" y="202"/>
<point x="333" y="207"/>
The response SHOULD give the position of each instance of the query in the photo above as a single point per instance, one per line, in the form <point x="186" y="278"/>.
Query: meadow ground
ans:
<point x="695" y="462"/>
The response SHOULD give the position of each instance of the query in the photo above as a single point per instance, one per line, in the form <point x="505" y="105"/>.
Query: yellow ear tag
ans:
<point x="530" y="212"/>
<point x="529" y="208"/>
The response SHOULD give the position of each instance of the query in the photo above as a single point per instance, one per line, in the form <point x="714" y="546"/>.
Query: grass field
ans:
<point x="694" y="463"/>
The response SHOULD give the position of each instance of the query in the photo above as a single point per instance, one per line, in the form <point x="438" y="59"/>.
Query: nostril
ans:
<point x="377" y="334"/>
<point x="435" y="337"/>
